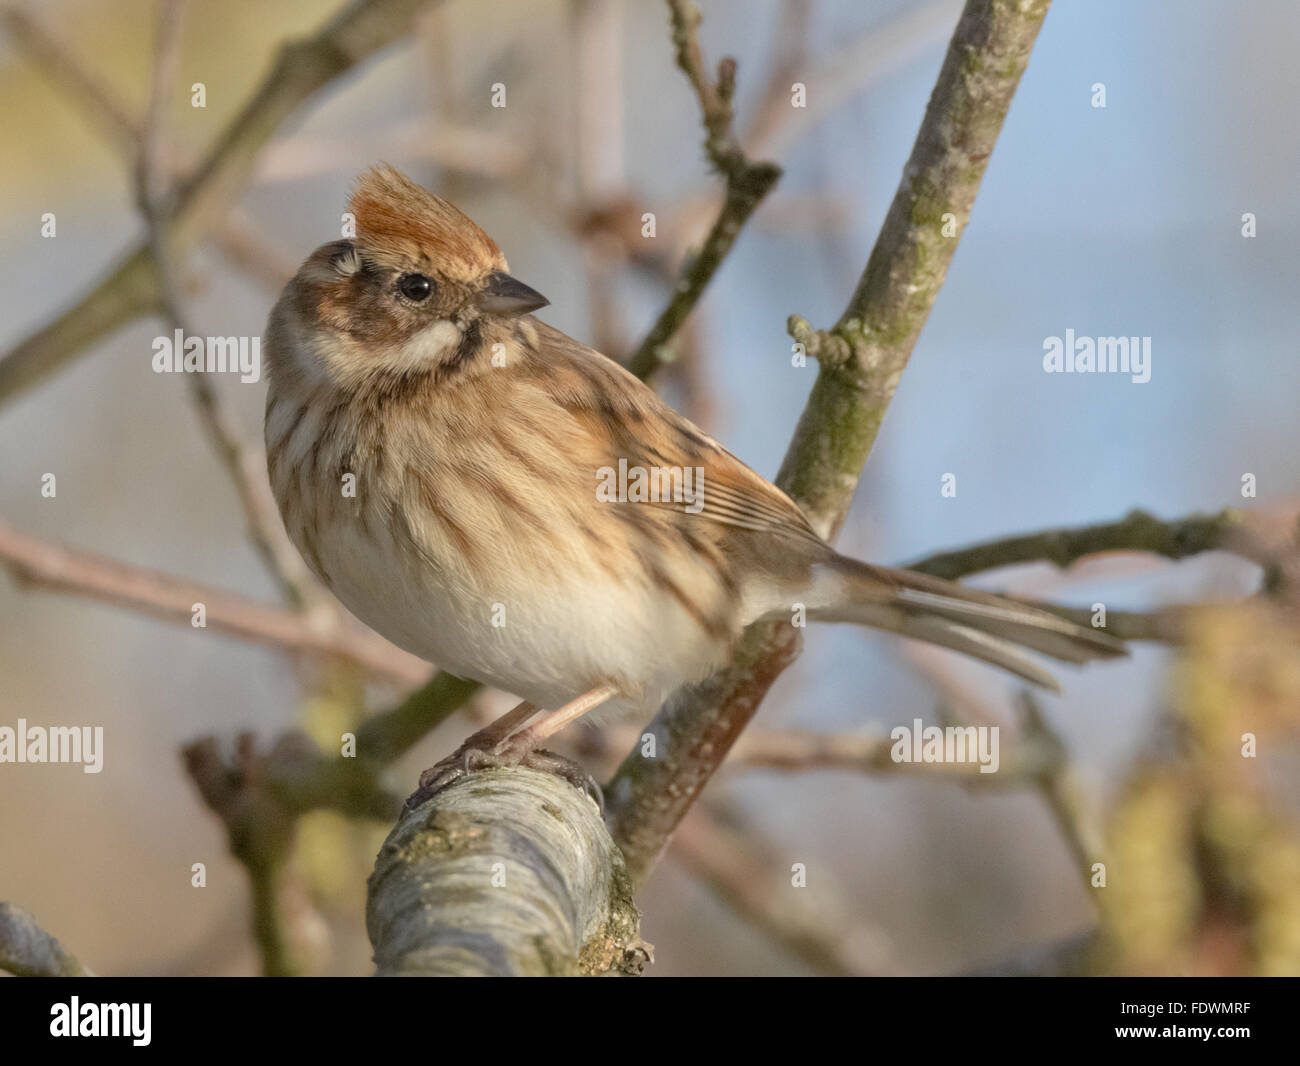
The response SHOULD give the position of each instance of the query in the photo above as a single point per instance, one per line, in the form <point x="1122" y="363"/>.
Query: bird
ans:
<point x="503" y="501"/>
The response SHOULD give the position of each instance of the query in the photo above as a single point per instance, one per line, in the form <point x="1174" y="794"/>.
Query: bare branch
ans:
<point x="1137" y="531"/>
<point x="870" y="345"/>
<point x="386" y="737"/>
<point x="153" y="195"/>
<point x="259" y="797"/>
<point x="1061" y="791"/>
<point x="107" y="113"/>
<point x="41" y="564"/>
<point x="233" y="235"/>
<point x="358" y="30"/>
<point x="738" y="868"/>
<point x="872" y="341"/>
<point x="746" y="185"/>
<point x="261" y="834"/>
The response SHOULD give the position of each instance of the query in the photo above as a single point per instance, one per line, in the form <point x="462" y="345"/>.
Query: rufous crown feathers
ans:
<point x="399" y="223"/>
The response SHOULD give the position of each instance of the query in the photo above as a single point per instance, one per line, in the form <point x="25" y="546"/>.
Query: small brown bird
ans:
<point x="513" y="506"/>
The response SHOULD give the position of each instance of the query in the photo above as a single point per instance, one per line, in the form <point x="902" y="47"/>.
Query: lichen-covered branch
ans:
<point x="357" y="31"/>
<point x="870" y="347"/>
<point x="27" y="950"/>
<point x="872" y="342"/>
<point x="503" y="873"/>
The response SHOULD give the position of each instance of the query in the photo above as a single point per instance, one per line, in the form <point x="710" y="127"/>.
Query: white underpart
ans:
<point x="552" y="644"/>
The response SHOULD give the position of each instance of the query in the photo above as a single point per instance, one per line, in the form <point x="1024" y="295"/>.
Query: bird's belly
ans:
<point x="545" y="640"/>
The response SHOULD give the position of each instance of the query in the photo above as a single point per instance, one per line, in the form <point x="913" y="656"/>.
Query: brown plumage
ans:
<point x="478" y="437"/>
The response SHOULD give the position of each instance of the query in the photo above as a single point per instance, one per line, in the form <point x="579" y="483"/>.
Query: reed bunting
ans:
<point x="505" y="502"/>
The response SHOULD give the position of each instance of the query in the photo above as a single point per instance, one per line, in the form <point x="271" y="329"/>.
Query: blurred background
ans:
<point x="1122" y="220"/>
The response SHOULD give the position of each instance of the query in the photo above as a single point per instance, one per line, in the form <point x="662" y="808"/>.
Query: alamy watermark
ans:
<point x="57" y="743"/>
<point x="652" y="484"/>
<point x="179" y="354"/>
<point x="77" y="1019"/>
<point x="919" y="743"/>
<point x="1098" y="355"/>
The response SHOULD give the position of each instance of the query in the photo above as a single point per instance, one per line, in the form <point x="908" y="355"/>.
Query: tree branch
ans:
<point x="746" y="185"/>
<point x="260" y="832"/>
<point x="27" y="950"/>
<point x="1137" y="531"/>
<point x="358" y="30"/>
<point x="234" y="235"/>
<point x="872" y="343"/>
<point x="505" y="873"/>
<point x="243" y="465"/>
<point x="259" y="797"/>
<point x="38" y="563"/>
<point x="739" y="869"/>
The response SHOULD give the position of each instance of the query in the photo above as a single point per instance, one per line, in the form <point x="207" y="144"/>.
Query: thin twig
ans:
<point x="1061" y="791"/>
<point x="1038" y="758"/>
<point x="1135" y="532"/>
<point x="234" y="235"/>
<point x="744" y="872"/>
<point x="106" y="111"/>
<point x="153" y="196"/>
<point x="802" y="751"/>
<point x="261" y="835"/>
<point x="836" y="79"/>
<point x="746" y="185"/>
<point x="596" y="28"/>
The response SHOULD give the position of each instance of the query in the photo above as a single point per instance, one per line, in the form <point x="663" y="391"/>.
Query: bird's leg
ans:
<point x="499" y="728"/>
<point x="533" y="736"/>
<point x="503" y="743"/>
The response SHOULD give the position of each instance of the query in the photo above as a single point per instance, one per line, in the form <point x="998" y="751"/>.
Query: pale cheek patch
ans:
<point x="425" y="349"/>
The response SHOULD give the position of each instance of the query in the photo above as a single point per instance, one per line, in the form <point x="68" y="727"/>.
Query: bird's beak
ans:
<point x="503" y="295"/>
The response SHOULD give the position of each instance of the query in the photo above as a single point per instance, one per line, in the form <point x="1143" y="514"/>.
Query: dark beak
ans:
<point x="503" y="295"/>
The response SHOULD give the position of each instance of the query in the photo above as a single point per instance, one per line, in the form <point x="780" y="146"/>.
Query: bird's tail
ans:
<point x="976" y="623"/>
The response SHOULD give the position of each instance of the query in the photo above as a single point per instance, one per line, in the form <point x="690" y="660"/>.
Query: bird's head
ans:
<point x="412" y="293"/>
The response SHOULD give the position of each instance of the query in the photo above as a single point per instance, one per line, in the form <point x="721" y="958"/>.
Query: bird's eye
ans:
<point x="415" y="287"/>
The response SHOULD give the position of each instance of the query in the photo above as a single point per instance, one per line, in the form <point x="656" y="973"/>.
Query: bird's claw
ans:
<point x="509" y="752"/>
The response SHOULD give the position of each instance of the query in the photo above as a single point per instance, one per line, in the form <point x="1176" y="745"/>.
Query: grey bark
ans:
<point x="27" y="950"/>
<point x="506" y="872"/>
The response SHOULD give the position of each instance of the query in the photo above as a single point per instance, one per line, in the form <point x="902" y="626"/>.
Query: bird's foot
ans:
<point x="516" y="750"/>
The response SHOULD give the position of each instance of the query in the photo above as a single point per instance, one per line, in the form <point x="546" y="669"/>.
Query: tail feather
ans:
<point x="970" y="621"/>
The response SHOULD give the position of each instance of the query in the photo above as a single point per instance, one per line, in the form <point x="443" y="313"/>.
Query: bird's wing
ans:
<point x="614" y="405"/>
